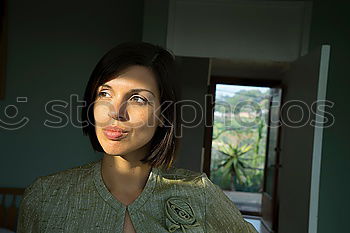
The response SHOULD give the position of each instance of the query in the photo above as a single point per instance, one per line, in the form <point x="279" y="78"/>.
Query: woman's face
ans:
<point x="118" y="103"/>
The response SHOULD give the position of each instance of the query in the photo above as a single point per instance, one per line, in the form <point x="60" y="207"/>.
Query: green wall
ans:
<point x="155" y="22"/>
<point x="330" y="25"/>
<point x="52" y="48"/>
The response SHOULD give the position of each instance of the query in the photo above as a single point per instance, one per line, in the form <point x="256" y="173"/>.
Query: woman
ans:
<point x="131" y="117"/>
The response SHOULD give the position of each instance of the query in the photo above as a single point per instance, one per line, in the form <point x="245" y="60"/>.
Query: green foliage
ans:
<point x="238" y="154"/>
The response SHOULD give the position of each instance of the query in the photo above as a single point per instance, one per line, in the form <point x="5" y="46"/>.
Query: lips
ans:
<point x="114" y="132"/>
<point x="115" y="128"/>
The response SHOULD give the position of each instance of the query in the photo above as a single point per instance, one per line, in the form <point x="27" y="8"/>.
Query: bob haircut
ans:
<point x="164" y="142"/>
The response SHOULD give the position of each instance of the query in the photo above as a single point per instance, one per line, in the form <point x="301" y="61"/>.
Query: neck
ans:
<point x="125" y="173"/>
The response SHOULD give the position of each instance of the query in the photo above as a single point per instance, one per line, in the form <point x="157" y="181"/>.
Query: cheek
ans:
<point x="142" y="118"/>
<point x="142" y="135"/>
<point x="101" y="114"/>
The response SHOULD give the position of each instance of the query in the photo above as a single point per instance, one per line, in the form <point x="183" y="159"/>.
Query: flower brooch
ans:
<point x="179" y="215"/>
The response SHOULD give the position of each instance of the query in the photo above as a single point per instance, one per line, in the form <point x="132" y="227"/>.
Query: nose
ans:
<point x="118" y="111"/>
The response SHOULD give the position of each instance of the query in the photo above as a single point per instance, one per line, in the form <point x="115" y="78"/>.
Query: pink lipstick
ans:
<point x="114" y="132"/>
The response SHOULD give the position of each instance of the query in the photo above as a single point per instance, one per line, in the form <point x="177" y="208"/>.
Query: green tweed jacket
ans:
<point x="77" y="201"/>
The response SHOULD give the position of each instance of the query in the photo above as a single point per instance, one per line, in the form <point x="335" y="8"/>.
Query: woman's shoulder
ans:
<point x="75" y="171"/>
<point x="180" y="173"/>
<point x="182" y="176"/>
<point x="189" y="178"/>
<point x="80" y="169"/>
<point x="63" y="179"/>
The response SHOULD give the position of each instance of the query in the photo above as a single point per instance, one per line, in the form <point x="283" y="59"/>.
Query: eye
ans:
<point x="139" y="99"/>
<point x="102" y="93"/>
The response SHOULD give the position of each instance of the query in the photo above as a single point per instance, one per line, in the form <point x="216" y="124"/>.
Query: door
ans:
<point x="269" y="210"/>
<point x="290" y="200"/>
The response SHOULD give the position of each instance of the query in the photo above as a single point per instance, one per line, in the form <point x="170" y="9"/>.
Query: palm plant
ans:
<point x="234" y="163"/>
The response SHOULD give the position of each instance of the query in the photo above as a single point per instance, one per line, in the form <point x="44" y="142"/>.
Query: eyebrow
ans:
<point x="135" y="90"/>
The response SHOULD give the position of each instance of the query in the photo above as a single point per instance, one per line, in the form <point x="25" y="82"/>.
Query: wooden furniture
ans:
<point x="9" y="213"/>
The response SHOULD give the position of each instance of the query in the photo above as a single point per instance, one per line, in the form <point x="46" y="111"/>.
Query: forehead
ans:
<point x="135" y="77"/>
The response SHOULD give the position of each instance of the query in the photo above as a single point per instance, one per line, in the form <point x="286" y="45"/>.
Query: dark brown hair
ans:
<point x="163" y="65"/>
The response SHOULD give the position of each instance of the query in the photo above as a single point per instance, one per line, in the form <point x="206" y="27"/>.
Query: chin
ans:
<point x="123" y="146"/>
<point x="114" y="148"/>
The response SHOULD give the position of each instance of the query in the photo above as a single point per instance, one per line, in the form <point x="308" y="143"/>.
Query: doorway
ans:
<point x="239" y="143"/>
<point x="240" y="148"/>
